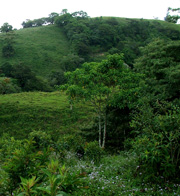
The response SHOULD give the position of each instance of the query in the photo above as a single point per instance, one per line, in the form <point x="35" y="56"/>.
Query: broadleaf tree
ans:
<point x="108" y="83"/>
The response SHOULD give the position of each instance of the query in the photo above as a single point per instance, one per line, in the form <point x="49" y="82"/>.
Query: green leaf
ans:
<point x="44" y="189"/>
<point x="61" y="193"/>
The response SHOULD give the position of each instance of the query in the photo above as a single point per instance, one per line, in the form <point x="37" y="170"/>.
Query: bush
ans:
<point x="24" y="162"/>
<point x="72" y="143"/>
<point x="157" y="145"/>
<point x="93" y="152"/>
<point x="8" y="85"/>
<point x="42" y="139"/>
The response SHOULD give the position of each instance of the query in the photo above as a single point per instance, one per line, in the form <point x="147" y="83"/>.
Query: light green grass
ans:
<point x="50" y="112"/>
<point x="40" y="48"/>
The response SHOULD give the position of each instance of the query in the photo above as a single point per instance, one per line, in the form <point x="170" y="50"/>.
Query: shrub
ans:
<point x="42" y="139"/>
<point x="8" y="85"/>
<point x="93" y="152"/>
<point x="24" y="162"/>
<point x="72" y="143"/>
<point x="157" y="145"/>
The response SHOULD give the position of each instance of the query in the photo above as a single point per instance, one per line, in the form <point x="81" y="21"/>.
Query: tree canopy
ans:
<point x="103" y="84"/>
<point x="6" y="28"/>
<point x="171" y="17"/>
<point x="160" y="62"/>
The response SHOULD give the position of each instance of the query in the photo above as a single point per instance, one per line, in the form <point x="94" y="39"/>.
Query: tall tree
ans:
<point x="102" y="84"/>
<point x="52" y="17"/>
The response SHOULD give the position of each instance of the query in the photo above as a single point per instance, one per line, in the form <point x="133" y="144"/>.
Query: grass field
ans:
<point x="40" y="48"/>
<point x="50" y="112"/>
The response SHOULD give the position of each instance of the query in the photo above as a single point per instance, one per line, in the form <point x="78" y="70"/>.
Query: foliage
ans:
<point x="7" y="69"/>
<point x="8" y="51"/>
<point x="93" y="152"/>
<point x="102" y="84"/>
<point x="24" y="77"/>
<point x="28" y="186"/>
<point x="71" y="62"/>
<point x="8" y="85"/>
<point x="93" y="35"/>
<point x="56" y="78"/>
<point x="157" y="141"/>
<point x="160" y="63"/>
<point x="6" y="28"/>
<point x="42" y="139"/>
<point x="55" y="179"/>
<point x="41" y="21"/>
<point x="172" y="18"/>
<point x="24" y="162"/>
<point x="73" y="143"/>
<point x="8" y="44"/>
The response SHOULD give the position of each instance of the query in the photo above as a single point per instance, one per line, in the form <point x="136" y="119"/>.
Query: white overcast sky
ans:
<point x="16" y="11"/>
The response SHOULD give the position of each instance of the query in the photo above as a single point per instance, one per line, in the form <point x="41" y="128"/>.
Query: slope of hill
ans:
<point x="22" y="113"/>
<point x="40" y="48"/>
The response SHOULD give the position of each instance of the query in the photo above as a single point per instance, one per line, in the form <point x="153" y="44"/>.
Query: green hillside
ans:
<point x="112" y="127"/>
<point x="40" y="48"/>
<point x="23" y="113"/>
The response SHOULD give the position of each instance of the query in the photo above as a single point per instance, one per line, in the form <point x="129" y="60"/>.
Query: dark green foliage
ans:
<point x="41" y="21"/>
<point x="27" y="24"/>
<point x="6" y="28"/>
<point x="63" y="20"/>
<point x="93" y="152"/>
<point x="119" y="128"/>
<point x="56" y="78"/>
<point x="25" y="78"/>
<point x="71" y="62"/>
<point x="8" y="51"/>
<point x="157" y="144"/>
<point x="73" y="143"/>
<point x="41" y="139"/>
<point x="172" y="18"/>
<point x="91" y="35"/>
<point x="8" y="45"/>
<point x="108" y="83"/>
<point x="160" y="63"/>
<point x="7" y="69"/>
<point x="23" y="162"/>
<point x="8" y="85"/>
<point x="52" y="17"/>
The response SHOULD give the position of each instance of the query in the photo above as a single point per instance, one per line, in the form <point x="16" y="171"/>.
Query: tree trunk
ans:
<point x="71" y="106"/>
<point x="99" y="130"/>
<point x="105" y="130"/>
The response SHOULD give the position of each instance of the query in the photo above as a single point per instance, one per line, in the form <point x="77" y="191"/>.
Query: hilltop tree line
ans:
<point x="91" y="39"/>
<point x="98" y="35"/>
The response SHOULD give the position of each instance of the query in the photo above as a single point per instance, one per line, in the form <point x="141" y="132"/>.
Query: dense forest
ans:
<point x="90" y="106"/>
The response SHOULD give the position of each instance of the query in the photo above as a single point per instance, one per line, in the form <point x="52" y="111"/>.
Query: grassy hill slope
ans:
<point x="40" y="48"/>
<point x="24" y="112"/>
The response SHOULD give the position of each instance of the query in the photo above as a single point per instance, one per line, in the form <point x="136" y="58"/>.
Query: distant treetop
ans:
<point x="172" y="18"/>
<point x="5" y="28"/>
